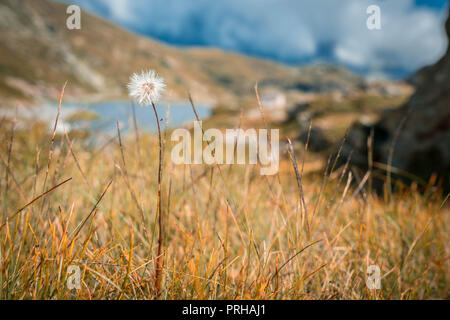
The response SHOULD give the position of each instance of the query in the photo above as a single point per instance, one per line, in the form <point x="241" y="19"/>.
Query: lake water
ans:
<point x="108" y="113"/>
<point x="112" y="111"/>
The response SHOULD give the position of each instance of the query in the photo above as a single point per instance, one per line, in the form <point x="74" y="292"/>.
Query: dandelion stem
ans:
<point x="159" y="259"/>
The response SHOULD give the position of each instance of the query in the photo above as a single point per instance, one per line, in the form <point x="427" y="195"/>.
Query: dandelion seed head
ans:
<point x="146" y="87"/>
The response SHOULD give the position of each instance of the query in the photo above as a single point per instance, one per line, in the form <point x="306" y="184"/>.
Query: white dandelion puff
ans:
<point x="146" y="88"/>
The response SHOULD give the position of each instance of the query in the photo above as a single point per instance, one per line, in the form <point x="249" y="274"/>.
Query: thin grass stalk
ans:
<point x="299" y="184"/>
<point x="159" y="256"/>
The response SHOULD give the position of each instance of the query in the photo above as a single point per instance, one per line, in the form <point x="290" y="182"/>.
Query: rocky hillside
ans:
<point x="38" y="53"/>
<point x="418" y="133"/>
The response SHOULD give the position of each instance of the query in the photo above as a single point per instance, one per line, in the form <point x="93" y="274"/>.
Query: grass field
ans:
<point x="227" y="231"/>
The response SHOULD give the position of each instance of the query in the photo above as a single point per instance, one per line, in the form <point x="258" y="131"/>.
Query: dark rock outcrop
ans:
<point x="317" y="140"/>
<point x="418" y="132"/>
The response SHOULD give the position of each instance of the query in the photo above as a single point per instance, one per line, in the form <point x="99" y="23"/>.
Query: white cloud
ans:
<point x="292" y="30"/>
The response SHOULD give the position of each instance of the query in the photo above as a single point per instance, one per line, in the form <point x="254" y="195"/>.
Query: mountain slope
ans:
<point x="38" y="53"/>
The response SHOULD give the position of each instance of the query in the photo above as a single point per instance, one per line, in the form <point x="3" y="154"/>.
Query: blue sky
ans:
<point x="294" y="31"/>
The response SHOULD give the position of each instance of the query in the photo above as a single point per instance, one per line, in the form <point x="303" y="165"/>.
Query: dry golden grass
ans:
<point x="229" y="233"/>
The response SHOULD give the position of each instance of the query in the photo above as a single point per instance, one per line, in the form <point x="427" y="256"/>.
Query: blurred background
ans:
<point x="314" y="61"/>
